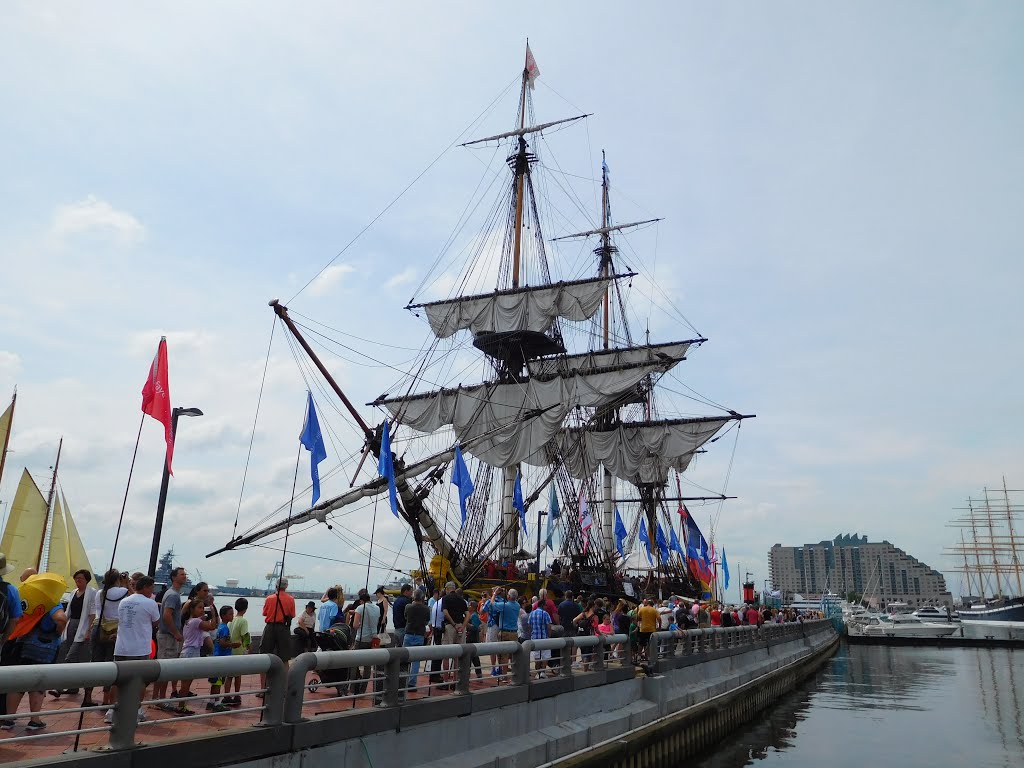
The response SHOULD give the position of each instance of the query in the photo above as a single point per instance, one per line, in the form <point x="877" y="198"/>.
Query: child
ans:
<point x="222" y="646"/>
<point x="240" y="642"/>
<point x="194" y="632"/>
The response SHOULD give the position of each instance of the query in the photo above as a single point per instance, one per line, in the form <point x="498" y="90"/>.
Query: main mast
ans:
<point x="1013" y="540"/>
<point x="49" y="507"/>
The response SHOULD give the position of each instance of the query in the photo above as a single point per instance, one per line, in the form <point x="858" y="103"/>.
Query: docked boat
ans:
<point x="936" y="613"/>
<point x="991" y="551"/>
<point x="900" y="625"/>
<point x="40" y="532"/>
<point x="569" y="421"/>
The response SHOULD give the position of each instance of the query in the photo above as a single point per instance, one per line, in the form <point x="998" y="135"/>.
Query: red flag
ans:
<point x="683" y="511"/>
<point x="156" y="397"/>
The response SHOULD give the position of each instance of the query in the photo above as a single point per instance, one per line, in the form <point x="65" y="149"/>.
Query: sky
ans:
<point x="841" y="186"/>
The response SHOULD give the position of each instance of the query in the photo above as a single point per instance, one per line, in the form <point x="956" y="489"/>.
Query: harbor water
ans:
<point x="905" y="706"/>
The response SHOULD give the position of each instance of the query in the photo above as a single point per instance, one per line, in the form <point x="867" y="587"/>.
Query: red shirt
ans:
<point x="716" y="618"/>
<point x="272" y="614"/>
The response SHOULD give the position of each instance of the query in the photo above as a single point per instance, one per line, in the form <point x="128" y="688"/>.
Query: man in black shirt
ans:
<point x="417" y="620"/>
<point x="398" y="612"/>
<point x="455" y="609"/>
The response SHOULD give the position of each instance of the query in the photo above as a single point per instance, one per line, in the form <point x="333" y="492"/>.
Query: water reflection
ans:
<point x="916" y="706"/>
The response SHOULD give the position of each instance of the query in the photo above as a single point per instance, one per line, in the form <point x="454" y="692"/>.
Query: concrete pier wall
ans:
<point x="687" y="704"/>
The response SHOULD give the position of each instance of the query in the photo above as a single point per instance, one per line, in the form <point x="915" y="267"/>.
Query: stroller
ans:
<point x="337" y="638"/>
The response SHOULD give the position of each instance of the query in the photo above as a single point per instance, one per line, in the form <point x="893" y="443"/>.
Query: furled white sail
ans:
<point x="491" y="416"/>
<point x="669" y="354"/>
<point x="533" y="308"/>
<point x="640" y="452"/>
<point x="26" y="525"/>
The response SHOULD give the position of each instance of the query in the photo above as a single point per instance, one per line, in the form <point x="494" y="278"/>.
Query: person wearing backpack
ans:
<point x="10" y="612"/>
<point x="38" y="646"/>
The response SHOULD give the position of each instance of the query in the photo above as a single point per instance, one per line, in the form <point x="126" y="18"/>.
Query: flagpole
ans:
<point x="124" y="503"/>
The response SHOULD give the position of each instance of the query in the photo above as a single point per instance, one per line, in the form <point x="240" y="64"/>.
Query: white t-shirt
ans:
<point x="114" y="595"/>
<point x="136" y="614"/>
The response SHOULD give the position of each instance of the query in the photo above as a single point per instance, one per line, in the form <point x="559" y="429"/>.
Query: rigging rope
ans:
<point x="252" y="437"/>
<point x="401" y="194"/>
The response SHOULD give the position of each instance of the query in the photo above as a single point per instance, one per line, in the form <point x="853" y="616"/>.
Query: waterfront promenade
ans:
<point x="533" y="716"/>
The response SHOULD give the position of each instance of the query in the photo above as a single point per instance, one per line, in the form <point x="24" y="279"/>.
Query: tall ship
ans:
<point x="989" y="555"/>
<point x="39" y="532"/>
<point x="563" y="460"/>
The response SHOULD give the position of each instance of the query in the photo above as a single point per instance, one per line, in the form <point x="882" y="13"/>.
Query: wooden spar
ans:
<point x="521" y="168"/>
<point x="49" y="505"/>
<point x="967" y="572"/>
<point x="282" y="312"/>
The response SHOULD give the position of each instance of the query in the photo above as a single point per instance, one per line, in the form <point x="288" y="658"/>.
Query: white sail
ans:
<point x="668" y="354"/>
<point x="641" y="452"/>
<point x="490" y="415"/>
<point x="58" y="554"/>
<point x="522" y="309"/>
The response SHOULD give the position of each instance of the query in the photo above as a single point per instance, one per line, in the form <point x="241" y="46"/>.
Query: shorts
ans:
<point x="278" y="641"/>
<point x="167" y="647"/>
<point x="131" y="658"/>
<point x="452" y="635"/>
<point x="540" y="655"/>
<point x="508" y="634"/>
<point x="492" y="634"/>
<point x="190" y="652"/>
<point x="102" y="651"/>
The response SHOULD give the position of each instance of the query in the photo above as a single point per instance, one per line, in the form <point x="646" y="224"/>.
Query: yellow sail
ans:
<point x="6" y="420"/>
<point x="58" y="559"/>
<point x="26" y="525"/>
<point x="78" y="558"/>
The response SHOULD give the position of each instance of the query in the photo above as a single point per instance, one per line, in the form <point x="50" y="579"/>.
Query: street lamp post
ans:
<point x="154" y="553"/>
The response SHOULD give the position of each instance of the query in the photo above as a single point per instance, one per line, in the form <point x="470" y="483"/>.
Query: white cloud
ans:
<point x="96" y="216"/>
<point x="407" y="275"/>
<point x="10" y="364"/>
<point x="330" y="278"/>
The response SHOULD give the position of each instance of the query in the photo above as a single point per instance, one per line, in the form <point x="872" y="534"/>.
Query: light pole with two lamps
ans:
<point x="162" y="502"/>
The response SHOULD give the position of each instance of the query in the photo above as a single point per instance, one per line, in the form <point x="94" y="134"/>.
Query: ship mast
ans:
<point x="521" y="168"/>
<point x="49" y="507"/>
<point x="1013" y="539"/>
<point x="992" y="544"/>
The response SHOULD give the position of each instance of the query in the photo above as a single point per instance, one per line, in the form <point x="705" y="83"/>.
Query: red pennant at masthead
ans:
<point x="156" y="397"/>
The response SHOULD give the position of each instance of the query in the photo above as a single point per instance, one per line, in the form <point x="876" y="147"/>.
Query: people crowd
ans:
<point x="123" y="620"/>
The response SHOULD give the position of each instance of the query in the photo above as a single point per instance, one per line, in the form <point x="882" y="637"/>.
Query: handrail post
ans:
<point x="627" y="652"/>
<point x="296" y="691"/>
<point x="652" y="649"/>
<point x="521" y="663"/>
<point x="132" y="679"/>
<point x="393" y="675"/>
<point x="465" y="667"/>
<point x="599" y="665"/>
<point x="277" y="690"/>
<point x="568" y="651"/>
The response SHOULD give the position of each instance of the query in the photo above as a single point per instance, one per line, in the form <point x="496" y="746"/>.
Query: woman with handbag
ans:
<point x="104" y="628"/>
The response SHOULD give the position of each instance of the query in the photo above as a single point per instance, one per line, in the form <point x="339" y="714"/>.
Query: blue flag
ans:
<point x="386" y="467"/>
<point x="517" y="502"/>
<point x="704" y="551"/>
<point x="462" y="480"/>
<point x="645" y="539"/>
<point x="659" y="538"/>
<point x="725" y="568"/>
<point x="313" y="441"/>
<point x="620" y="534"/>
<point x="554" y="513"/>
<point x="673" y="543"/>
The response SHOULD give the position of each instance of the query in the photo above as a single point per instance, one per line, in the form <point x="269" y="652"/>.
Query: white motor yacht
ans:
<point x="901" y="625"/>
